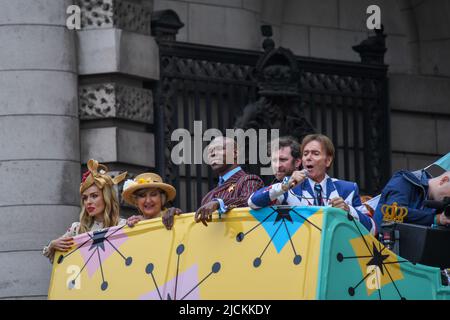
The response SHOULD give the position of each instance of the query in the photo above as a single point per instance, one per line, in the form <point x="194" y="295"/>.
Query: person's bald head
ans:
<point x="222" y="154"/>
<point x="223" y="141"/>
<point x="440" y="186"/>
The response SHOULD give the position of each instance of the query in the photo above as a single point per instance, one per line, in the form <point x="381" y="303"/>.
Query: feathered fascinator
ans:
<point x="97" y="173"/>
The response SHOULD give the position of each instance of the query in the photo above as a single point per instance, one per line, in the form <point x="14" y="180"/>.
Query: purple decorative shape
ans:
<point x="187" y="280"/>
<point x="105" y="248"/>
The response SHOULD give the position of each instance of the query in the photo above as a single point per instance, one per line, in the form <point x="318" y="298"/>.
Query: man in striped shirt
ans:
<point x="234" y="187"/>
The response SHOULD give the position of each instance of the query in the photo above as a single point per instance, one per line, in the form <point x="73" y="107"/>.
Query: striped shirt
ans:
<point x="236" y="190"/>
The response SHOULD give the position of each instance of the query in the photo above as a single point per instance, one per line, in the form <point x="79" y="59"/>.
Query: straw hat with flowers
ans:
<point x="144" y="181"/>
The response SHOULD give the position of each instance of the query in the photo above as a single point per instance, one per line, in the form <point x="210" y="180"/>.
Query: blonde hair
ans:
<point x="110" y="214"/>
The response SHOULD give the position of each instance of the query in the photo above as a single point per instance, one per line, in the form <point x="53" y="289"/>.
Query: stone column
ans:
<point x="39" y="140"/>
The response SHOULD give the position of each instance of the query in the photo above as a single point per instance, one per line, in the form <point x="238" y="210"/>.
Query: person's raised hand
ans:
<point x="204" y="213"/>
<point x="338" y="202"/>
<point x="131" y="221"/>
<point x="168" y="217"/>
<point x="62" y="244"/>
<point x="443" y="220"/>
<point x="296" y="178"/>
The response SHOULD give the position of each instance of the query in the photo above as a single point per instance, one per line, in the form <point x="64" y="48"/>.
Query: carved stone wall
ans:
<point x="116" y="56"/>
<point x="121" y="14"/>
<point x="112" y="100"/>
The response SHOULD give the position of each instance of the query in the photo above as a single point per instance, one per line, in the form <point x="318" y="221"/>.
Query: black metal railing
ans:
<point x="346" y="101"/>
<point x="199" y="83"/>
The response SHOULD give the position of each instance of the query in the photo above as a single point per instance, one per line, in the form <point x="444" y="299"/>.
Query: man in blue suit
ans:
<point x="312" y="186"/>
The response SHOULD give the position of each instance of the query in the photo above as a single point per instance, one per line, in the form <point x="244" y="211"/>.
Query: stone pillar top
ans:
<point x="165" y="24"/>
<point x="372" y="49"/>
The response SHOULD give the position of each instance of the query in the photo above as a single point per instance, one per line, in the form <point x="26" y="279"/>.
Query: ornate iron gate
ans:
<point x="199" y="83"/>
<point x="347" y="101"/>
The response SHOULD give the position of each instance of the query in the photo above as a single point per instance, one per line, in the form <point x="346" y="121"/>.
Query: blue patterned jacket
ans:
<point x="303" y="195"/>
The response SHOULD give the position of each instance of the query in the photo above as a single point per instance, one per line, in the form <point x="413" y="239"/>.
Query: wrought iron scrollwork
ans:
<point x="275" y="89"/>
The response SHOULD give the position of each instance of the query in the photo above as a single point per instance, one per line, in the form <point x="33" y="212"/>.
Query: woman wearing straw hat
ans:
<point x="149" y="194"/>
<point x="99" y="207"/>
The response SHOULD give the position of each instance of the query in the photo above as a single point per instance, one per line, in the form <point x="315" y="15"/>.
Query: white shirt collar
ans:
<point x="323" y="184"/>
<point x="229" y="174"/>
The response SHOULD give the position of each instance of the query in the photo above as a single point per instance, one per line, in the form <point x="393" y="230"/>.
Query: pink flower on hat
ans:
<point x="85" y="175"/>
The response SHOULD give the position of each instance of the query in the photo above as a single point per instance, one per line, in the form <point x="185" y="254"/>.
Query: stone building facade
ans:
<point x="67" y="96"/>
<point x="418" y="39"/>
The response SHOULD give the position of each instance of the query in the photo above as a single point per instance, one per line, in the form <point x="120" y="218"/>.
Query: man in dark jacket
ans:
<point x="406" y="192"/>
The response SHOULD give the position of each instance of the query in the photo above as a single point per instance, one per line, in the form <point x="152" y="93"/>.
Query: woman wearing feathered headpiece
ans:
<point x="99" y="207"/>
